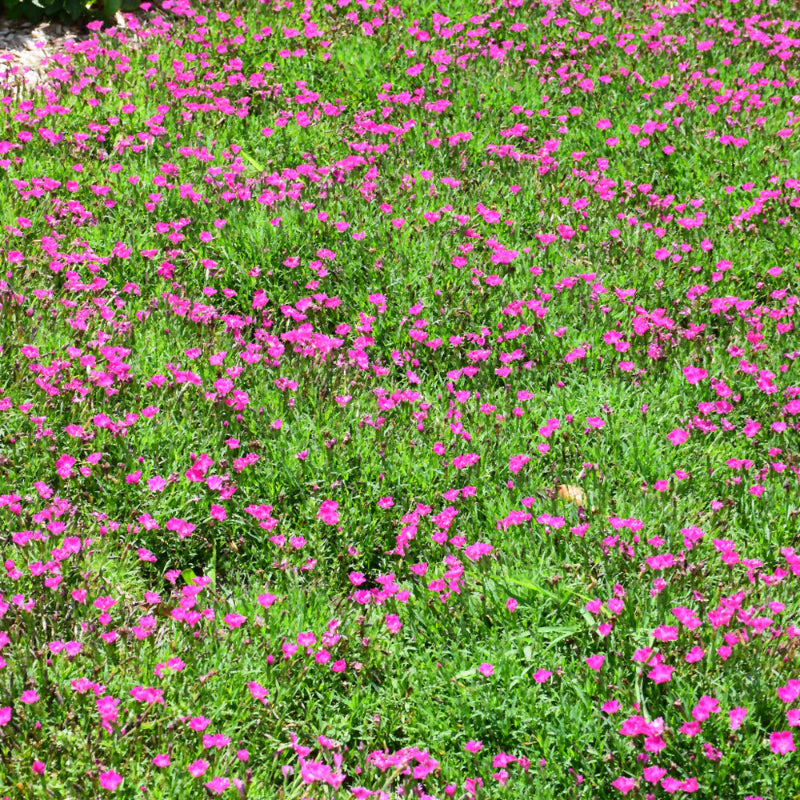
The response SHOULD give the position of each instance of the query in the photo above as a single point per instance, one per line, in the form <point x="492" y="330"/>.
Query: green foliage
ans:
<point x="195" y="359"/>
<point x="68" y="11"/>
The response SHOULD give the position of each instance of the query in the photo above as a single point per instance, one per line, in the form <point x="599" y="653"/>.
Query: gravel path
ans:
<point x="24" y="47"/>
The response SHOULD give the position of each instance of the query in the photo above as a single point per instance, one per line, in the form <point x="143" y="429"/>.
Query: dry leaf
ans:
<point x="573" y="494"/>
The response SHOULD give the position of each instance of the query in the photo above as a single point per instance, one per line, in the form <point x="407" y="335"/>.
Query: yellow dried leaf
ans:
<point x="573" y="494"/>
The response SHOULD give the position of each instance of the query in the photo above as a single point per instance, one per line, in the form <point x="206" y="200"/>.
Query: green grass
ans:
<point x="186" y="233"/>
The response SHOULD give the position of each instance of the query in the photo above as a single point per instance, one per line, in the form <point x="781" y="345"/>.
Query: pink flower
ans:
<point x="64" y="466"/>
<point x="694" y="375"/>
<point x="654" y="774"/>
<point x="473" y="747"/>
<point x="486" y="670"/>
<point x="611" y="707"/>
<point x="695" y="654"/>
<point x="678" y="436"/>
<point x="198" y="768"/>
<point x="110" y="780"/>
<point x="266" y="600"/>
<point x="781" y="742"/>
<point x="624" y="785"/>
<point x="328" y="513"/>
<point x="790" y="692"/>
<point x="705" y="707"/>
<point x="661" y="673"/>
<point x="218" y="740"/>
<point x="516" y="463"/>
<point x="751" y="429"/>
<point x="393" y="623"/>
<point x="29" y="697"/>
<point x="595" y="662"/>
<point x="477" y="550"/>
<point x="161" y="760"/>
<point x="234" y="620"/>
<point x="690" y="785"/>
<point x="467" y="460"/>
<point x="217" y="785"/>
<point x="691" y="729"/>
<point x="541" y="676"/>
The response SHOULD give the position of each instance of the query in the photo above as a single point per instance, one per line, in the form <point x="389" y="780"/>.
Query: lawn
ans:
<point x="403" y="401"/>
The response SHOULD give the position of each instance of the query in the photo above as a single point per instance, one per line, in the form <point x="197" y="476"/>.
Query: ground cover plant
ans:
<point x="402" y="399"/>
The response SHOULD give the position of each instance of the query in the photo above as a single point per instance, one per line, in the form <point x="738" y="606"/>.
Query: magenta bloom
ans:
<point x="595" y="662"/>
<point x="473" y="747"/>
<point x="781" y="743"/>
<point x="611" y="707"/>
<point x="110" y="780"/>
<point x="678" y="436"/>
<point x="266" y="600"/>
<point x="737" y="716"/>
<point x="654" y="774"/>
<point x="64" y="466"/>
<point x="694" y="375"/>
<point x="217" y="785"/>
<point x="198" y="768"/>
<point x="328" y="513"/>
<point x="624" y="785"/>
<point x="661" y="673"/>
<point x="486" y="670"/>
<point x="671" y="785"/>
<point x="393" y="623"/>
<point x="475" y="551"/>
<point x="705" y="707"/>
<point x="516" y="463"/>
<point x="468" y="460"/>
